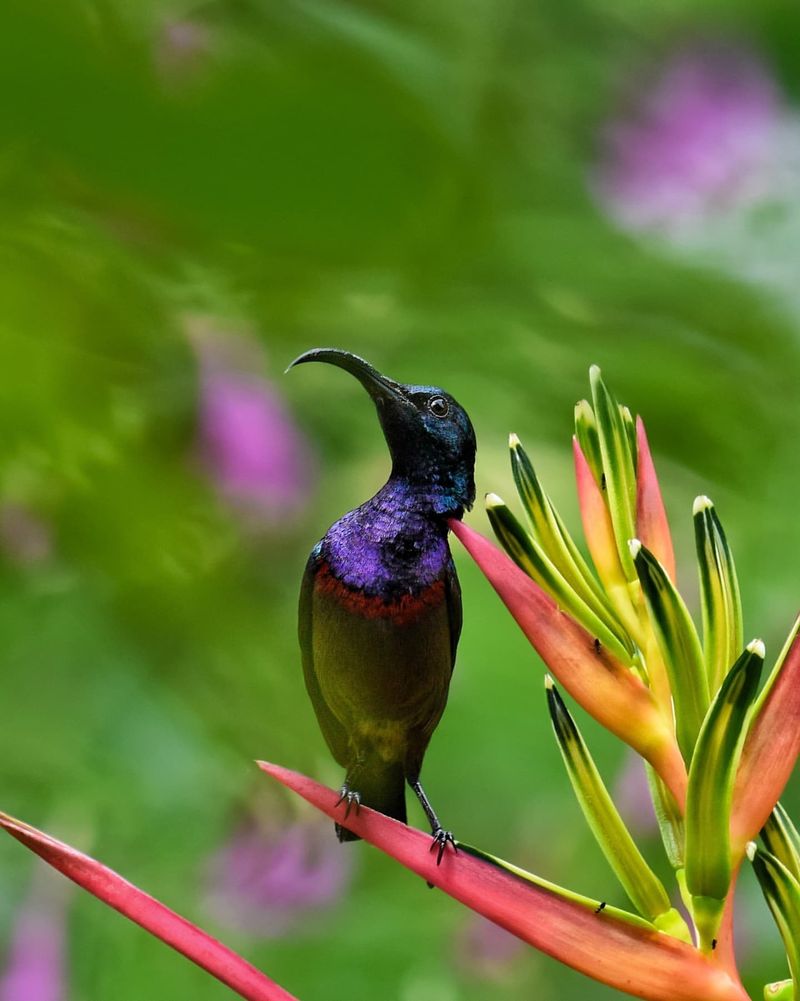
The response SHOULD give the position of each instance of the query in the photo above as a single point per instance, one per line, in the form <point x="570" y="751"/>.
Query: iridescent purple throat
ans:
<point x="394" y="544"/>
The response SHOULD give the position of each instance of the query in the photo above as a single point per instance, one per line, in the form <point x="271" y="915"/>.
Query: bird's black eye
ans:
<point x="439" y="407"/>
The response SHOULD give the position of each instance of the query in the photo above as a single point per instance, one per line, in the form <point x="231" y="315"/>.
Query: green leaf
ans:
<point x="782" y="893"/>
<point x="782" y="840"/>
<point x="708" y="799"/>
<point x="528" y="554"/>
<point x="679" y="645"/>
<point x="719" y="593"/>
<point x="645" y="890"/>
<point x="618" y="467"/>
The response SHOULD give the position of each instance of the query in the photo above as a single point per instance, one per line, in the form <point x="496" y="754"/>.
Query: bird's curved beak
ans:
<point x="379" y="387"/>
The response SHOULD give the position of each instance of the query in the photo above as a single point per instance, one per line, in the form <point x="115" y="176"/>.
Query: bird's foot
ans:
<point x="441" y="839"/>
<point x="352" y="798"/>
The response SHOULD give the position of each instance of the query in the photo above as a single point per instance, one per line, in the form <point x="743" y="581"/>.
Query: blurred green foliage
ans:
<point x="408" y="181"/>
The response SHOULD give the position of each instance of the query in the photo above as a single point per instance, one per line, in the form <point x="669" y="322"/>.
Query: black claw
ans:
<point x="351" y="798"/>
<point x="441" y="839"/>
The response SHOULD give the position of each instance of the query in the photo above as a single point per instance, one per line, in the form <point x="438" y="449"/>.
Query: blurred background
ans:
<point x="489" y="195"/>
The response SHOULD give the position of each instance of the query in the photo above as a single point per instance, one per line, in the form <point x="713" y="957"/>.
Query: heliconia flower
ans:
<point x="607" y="612"/>
<point x="695" y="140"/>
<point x="604" y="942"/>
<point x="35" y="967"/>
<point x="148" y="913"/>
<point x="265" y="881"/>
<point x="249" y="444"/>
<point x="698" y="698"/>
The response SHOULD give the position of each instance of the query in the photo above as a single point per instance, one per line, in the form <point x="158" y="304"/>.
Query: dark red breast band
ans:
<point x="401" y="610"/>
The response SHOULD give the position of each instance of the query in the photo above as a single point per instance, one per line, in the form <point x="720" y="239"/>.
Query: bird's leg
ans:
<point x="441" y="838"/>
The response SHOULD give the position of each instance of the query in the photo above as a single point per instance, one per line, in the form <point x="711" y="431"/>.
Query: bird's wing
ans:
<point x="332" y="730"/>
<point x="454" y="611"/>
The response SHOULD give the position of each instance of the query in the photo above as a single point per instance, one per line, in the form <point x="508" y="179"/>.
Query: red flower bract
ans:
<point x="604" y="687"/>
<point x="144" y="910"/>
<point x="610" y="946"/>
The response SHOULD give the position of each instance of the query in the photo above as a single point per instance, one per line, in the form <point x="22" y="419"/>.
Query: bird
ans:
<point x="380" y="611"/>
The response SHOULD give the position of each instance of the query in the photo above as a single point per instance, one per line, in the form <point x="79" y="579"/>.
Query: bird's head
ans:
<point x="430" y="436"/>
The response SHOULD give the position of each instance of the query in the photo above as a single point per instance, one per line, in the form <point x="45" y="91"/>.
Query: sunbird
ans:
<point x="380" y="603"/>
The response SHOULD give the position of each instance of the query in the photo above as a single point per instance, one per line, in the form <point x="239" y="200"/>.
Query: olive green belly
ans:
<point x="385" y="681"/>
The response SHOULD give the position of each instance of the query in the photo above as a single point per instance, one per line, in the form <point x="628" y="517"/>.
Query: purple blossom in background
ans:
<point x="182" y="49"/>
<point x="485" y="950"/>
<point x="34" y="968"/>
<point x="249" y="444"/>
<point x="632" y="797"/>
<point x="697" y="139"/>
<point x="264" y="881"/>
<point x="24" y="538"/>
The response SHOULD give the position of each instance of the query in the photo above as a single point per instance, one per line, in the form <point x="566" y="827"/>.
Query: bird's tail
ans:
<point x="382" y="788"/>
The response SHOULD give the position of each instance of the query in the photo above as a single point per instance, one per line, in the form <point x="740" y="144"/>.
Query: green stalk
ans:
<point x="618" y="466"/>
<point x="629" y="424"/>
<point x="679" y="645"/>
<point x="710" y="790"/>
<point x="719" y="593"/>
<point x="643" y="887"/>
